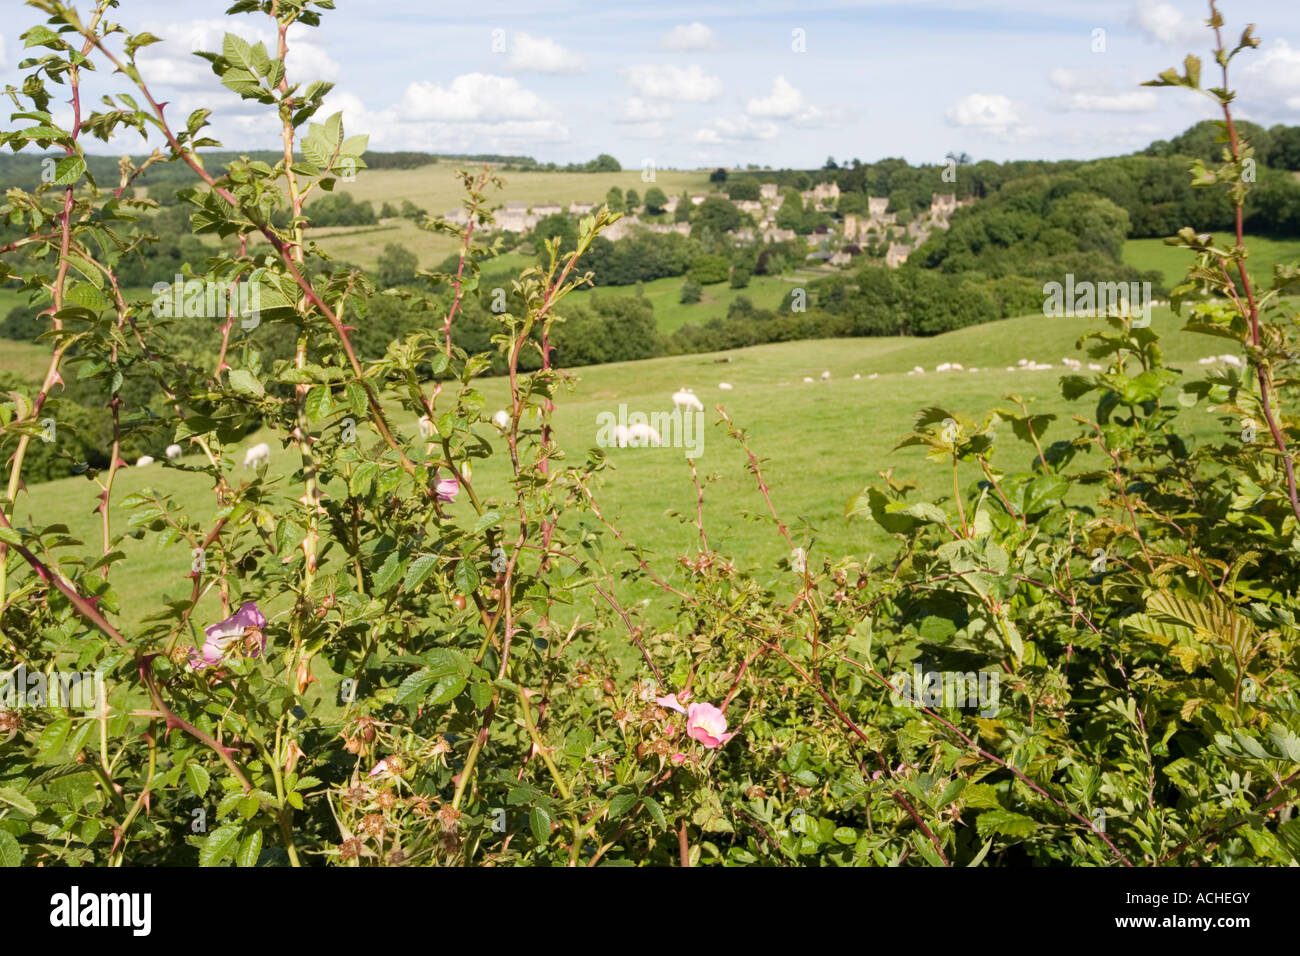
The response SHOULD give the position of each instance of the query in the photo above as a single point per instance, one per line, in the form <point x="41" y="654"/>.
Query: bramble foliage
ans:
<point x="419" y="669"/>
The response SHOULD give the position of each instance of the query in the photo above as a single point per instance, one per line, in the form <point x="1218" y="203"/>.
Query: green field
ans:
<point x="766" y="292"/>
<point x="437" y="189"/>
<point x="822" y="441"/>
<point x="1172" y="261"/>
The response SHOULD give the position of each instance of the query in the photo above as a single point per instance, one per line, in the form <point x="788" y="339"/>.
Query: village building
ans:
<point x="681" y="228"/>
<point x="779" y="235"/>
<point x="897" y="255"/>
<point x="769" y="191"/>
<point x="581" y="208"/>
<point x="547" y="209"/>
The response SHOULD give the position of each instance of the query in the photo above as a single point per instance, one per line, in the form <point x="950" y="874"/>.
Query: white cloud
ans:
<point x="168" y="64"/>
<point x="1272" y="77"/>
<point x="637" y="110"/>
<point x="1165" y="23"/>
<point x="737" y="129"/>
<point x="396" y="128"/>
<point x="1097" y="94"/>
<point x="542" y="55"/>
<point x="989" y="112"/>
<point x="689" y="36"/>
<point x="688" y="84"/>
<point x="472" y="97"/>
<point x="783" y="102"/>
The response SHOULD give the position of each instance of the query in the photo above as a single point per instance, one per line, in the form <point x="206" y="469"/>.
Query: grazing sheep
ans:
<point x="686" y="399"/>
<point x="1011" y="368"/>
<point x="918" y="370"/>
<point x="641" y="435"/>
<point x="173" y="451"/>
<point x="826" y="376"/>
<point x="725" y="386"/>
<point x="258" y="456"/>
<point x="873" y="375"/>
<point x="944" y="367"/>
<point x="1094" y="367"/>
<point x="501" y="419"/>
<point x="1231" y="360"/>
<point x="807" y="380"/>
<point x="1023" y="362"/>
<point x="1208" y="360"/>
<point x="856" y="376"/>
<point x="142" y="461"/>
<point x="426" y="427"/>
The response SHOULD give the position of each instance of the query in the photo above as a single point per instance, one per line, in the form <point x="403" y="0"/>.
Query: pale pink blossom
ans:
<point x="708" y="725"/>
<point x="671" y="703"/>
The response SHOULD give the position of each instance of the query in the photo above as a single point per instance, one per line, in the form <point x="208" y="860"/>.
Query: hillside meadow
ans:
<point x="821" y="442"/>
<point x="437" y="189"/>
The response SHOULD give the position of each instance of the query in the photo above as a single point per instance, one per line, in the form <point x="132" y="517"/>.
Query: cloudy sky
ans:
<point x="761" y="81"/>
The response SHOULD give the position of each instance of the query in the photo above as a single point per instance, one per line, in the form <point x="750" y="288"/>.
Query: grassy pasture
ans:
<point x="821" y="443"/>
<point x="1172" y="262"/>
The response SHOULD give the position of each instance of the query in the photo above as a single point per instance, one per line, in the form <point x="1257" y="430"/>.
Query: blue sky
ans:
<point x="702" y="84"/>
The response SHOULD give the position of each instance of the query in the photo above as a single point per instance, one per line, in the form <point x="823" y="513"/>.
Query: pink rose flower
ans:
<point x="679" y="758"/>
<point x="446" y="488"/>
<point x="671" y="703"/>
<point x="708" y="725"/>
<point x="219" y="638"/>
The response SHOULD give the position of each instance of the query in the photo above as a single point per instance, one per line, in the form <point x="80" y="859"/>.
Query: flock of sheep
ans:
<point x="639" y="434"/>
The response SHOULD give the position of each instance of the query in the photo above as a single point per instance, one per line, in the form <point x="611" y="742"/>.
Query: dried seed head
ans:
<point x="350" y="849"/>
<point x="386" y="801"/>
<point x="372" y="824"/>
<point x="449" y="817"/>
<point x="10" y="720"/>
<point x="396" y="858"/>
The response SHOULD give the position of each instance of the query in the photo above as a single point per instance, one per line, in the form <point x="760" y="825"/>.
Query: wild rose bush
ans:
<point x="1132" y="593"/>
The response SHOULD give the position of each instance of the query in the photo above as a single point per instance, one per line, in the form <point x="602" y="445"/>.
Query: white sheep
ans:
<point x="826" y="376"/>
<point x="142" y="461"/>
<point x="173" y="451"/>
<point x="918" y="370"/>
<point x="1231" y="360"/>
<point x="856" y="376"/>
<point x="1094" y="367"/>
<point x="258" y="456"/>
<point x="873" y="375"/>
<point x="946" y="366"/>
<point x="640" y="435"/>
<point x="807" y="380"/>
<point x="725" y="386"/>
<point x="686" y="399"/>
<point x="956" y="367"/>
<point x="1023" y="362"/>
